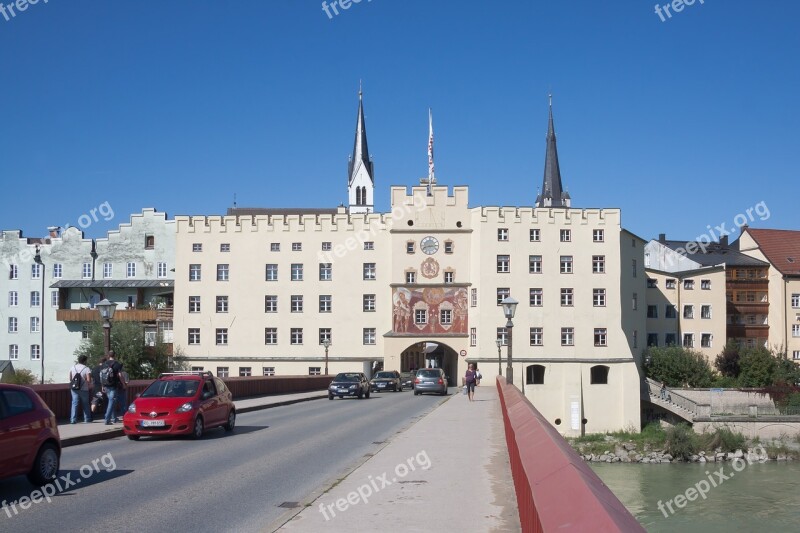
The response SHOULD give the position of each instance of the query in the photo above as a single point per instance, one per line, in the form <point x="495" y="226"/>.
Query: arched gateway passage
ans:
<point x="431" y="354"/>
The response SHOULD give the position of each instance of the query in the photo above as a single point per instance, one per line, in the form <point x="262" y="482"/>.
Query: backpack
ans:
<point x="108" y="378"/>
<point x="77" y="381"/>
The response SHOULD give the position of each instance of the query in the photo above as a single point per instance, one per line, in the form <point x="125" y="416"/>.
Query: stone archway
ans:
<point x="431" y="354"/>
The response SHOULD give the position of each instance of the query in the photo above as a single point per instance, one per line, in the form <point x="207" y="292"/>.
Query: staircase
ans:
<point x="674" y="402"/>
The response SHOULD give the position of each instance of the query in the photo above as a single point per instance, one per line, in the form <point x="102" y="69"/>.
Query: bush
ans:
<point x="23" y="376"/>
<point x="678" y="367"/>
<point x="758" y="366"/>
<point x="722" y="438"/>
<point x="681" y="441"/>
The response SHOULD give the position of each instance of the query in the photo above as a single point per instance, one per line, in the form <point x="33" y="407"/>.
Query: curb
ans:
<point x="85" y="439"/>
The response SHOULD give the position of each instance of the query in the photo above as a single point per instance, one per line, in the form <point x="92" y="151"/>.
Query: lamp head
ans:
<point x="106" y="309"/>
<point x="509" y="307"/>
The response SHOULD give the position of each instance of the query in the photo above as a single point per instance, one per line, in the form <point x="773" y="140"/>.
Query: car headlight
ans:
<point x="132" y="408"/>
<point x="185" y="408"/>
<point x="332" y="387"/>
<point x="353" y="387"/>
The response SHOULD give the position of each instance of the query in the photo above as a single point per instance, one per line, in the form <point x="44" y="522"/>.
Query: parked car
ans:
<point x="430" y="380"/>
<point x="349" y="384"/>
<point x="181" y="403"/>
<point x="407" y="379"/>
<point x="386" y="380"/>
<point x="29" y="440"/>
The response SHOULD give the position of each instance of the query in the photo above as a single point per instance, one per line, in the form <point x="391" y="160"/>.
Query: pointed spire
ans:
<point x="431" y="173"/>
<point x="552" y="194"/>
<point x="360" y="150"/>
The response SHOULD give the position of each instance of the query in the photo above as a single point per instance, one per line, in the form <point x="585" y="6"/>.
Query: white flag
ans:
<point x="431" y="175"/>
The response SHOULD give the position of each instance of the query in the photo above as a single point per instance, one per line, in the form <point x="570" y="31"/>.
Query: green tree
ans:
<point x="678" y="367"/>
<point x="23" y="376"/>
<point x="758" y="367"/>
<point x="128" y="343"/>
<point x="727" y="362"/>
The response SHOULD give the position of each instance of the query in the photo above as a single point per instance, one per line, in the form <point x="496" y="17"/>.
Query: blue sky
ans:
<point x="179" y="105"/>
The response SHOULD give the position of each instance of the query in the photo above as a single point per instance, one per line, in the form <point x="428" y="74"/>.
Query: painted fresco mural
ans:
<point x="429" y="310"/>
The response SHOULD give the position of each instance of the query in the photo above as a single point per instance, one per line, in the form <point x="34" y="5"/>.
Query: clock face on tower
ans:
<point x="429" y="245"/>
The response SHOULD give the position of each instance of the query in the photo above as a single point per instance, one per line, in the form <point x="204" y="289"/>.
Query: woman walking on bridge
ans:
<point x="469" y="380"/>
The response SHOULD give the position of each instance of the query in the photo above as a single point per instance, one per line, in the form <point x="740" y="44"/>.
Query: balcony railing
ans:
<point x="92" y="315"/>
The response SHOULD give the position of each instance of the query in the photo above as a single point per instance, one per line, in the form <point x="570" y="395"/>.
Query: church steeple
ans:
<point x="361" y="176"/>
<point x="552" y="193"/>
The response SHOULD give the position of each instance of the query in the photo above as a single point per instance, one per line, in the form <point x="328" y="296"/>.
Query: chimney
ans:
<point x="662" y="238"/>
<point x="55" y="231"/>
<point x="723" y="240"/>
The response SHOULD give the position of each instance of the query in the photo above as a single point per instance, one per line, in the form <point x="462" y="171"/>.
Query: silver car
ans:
<point x="430" y="380"/>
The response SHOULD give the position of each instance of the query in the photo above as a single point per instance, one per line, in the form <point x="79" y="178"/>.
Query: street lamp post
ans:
<point x="327" y="344"/>
<point x="509" y="308"/>
<point x="499" y="343"/>
<point x="107" y="309"/>
<point x="38" y="259"/>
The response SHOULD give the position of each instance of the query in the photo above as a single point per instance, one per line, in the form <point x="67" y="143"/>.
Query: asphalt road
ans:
<point x="224" y="482"/>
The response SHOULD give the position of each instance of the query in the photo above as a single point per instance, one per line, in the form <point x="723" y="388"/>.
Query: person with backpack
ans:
<point x="110" y="379"/>
<point x="80" y="379"/>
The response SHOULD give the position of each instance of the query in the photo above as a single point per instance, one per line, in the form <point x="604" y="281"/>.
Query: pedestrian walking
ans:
<point x="123" y="392"/>
<point x="80" y="378"/>
<point x="663" y="391"/>
<point x="110" y="379"/>
<point x="470" y="378"/>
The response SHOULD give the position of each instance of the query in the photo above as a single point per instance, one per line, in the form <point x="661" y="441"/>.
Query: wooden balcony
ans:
<point x="92" y="315"/>
<point x="748" y="331"/>
<point x="748" y="308"/>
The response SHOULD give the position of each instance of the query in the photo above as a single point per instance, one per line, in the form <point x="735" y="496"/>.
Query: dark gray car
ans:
<point x="349" y="384"/>
<point x="430" y="380"/>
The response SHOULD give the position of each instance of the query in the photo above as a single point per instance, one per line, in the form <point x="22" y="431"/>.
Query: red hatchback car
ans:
<point x="29" y="440"/>
<point x="181" y="403"/>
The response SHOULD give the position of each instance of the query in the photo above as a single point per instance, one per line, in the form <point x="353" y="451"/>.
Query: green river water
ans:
<point x="760" y="497"/>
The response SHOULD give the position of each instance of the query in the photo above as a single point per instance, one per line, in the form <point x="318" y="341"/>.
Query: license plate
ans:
<point x="152" y="423"/>
<point x="381" y="385"/>
<point x="341" y="391"/>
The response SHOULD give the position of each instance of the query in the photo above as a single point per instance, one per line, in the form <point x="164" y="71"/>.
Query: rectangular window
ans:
<point x="796" y="355"/>
<point x="271" y="272"/>
<point x="598" y="235"/>
<point x="652" y="283"/>
<point x="598" y="264"/>
<point x="194" y="335"/>
<point x="567" y="336"/>
<point x="130" y="270"/>
<point x="600" y="336"/>
<point x="449" y="276"/>
<point x="688" y="311"/>
<point x="446" y="317"/>
<point x="275" y="247"/>
<point x="502" y="294"/>
<point x="670" y="283"/>
<point x="688" y="340"/>
<point x="534" y="264"/>
<point x="34" y="324"/>
<point x="368" y="303"/>
<point x="473" y="297"/>
<point x="36" y="271"/>
<point x="13" y="298"/>
<point x="705" y="311"/>
<point x="54" y="299"/>
<point x="688" y="284"/>
<point x="271" y="303"/>
<point x="502" y="336"/>
<point x="222" y="371"/>
<point x="86" y="271"/>
<point x="565" y="235"/>
<point x="197" y="247"/>
<point x="35" y="299"/>
<point x="225" y="247"/>
<point x="325" y="303"/>
<point x="296" y="335"/>
<point x="223" y="272"/>
<point x="297" y="271"/>
<point x="670" y="312"/>
<point x="448" y="247"/>
<point x="652" y="311"/>
<point x="652" y="339"/>
<point x="566" y="264"/>
<point x="535" y="235"/>
<point x="669" y="339"/>
<point x="161" y="270"/>
<point x="222" y="336"/>
<point x="502" y="234"/>
<point x="327" y="246"/>
<point x="503" y="264"/>
<point x="705" y="284"/>
<point x="314" y="371"/>
<point x="795" y="330"/>
<point x="369" y="271"/>
<point x="411" y="277"/>
<point x="325" y="271"/>
<point x="420" y="316"/>
<point x="537" y="337"/>
<point x="369" y="335"/>
<point x="13" y="272"/>
<point x="297" y="303"/>
<point x="84" y="332"/>
<point x="194" y="273"/>
<point x="245" y="371"/>
<point x="369" y="245"/>
<point x="270" y="335"/>
<point x="108" y="270"/>
<point x="222" y="304"/>
<point x="36" y="352"/>
<point x="269" y="370"/>
<point x="705" y="340"/>
<point x="325" y="335"/>
<point x="473" y="336"/>
<point x="13" y="352"/>
<point x="566" y="297"/>
<point x="410" y="247"/>
<point x="796" y="301"/>
<point x="297" y="246"/>
<point x="194" y="304"/>
<point x="635" y="301"/>
<point x="57" y="271"/>
<point x="599" y="297"/>
<point x="536" y="296"/>
<point x="633" y="267"/>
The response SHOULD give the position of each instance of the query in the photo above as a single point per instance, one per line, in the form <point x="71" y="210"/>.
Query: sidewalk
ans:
<point x="448" y="472"/>
<point x="80" y="433"/>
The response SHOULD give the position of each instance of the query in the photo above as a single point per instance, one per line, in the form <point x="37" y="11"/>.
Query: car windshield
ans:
<point x="348" y="378"/>
<point x="384" y="375"/>
<point x="428" y="374"/>
<point x="171" y="388"/>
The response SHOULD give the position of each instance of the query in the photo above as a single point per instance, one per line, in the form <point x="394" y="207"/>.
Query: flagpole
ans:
<point x="431" y="174"/>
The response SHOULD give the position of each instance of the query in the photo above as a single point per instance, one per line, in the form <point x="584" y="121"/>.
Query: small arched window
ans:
<point x="534" y="375"/>
<point x="599" y="375"/>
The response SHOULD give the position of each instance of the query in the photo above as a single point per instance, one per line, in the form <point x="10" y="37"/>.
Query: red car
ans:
<point x="29" y="440"/>
<point x="181" y="403"/>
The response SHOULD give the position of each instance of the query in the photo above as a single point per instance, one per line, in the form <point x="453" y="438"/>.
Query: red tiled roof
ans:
<point x="782" y="248"/>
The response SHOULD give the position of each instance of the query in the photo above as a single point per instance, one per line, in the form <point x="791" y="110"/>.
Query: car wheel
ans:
<point x="45" y="467"/>
<point x="361" y="394"/>
<point x="400" y="389"/>
<point x="330" y="396"/>
<point x="367" y="394"/>
<point x="198" y="428"/>
<point x="133" y="437"/>
<point x="231" y="421"/>
<point x="416" y="393"/>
